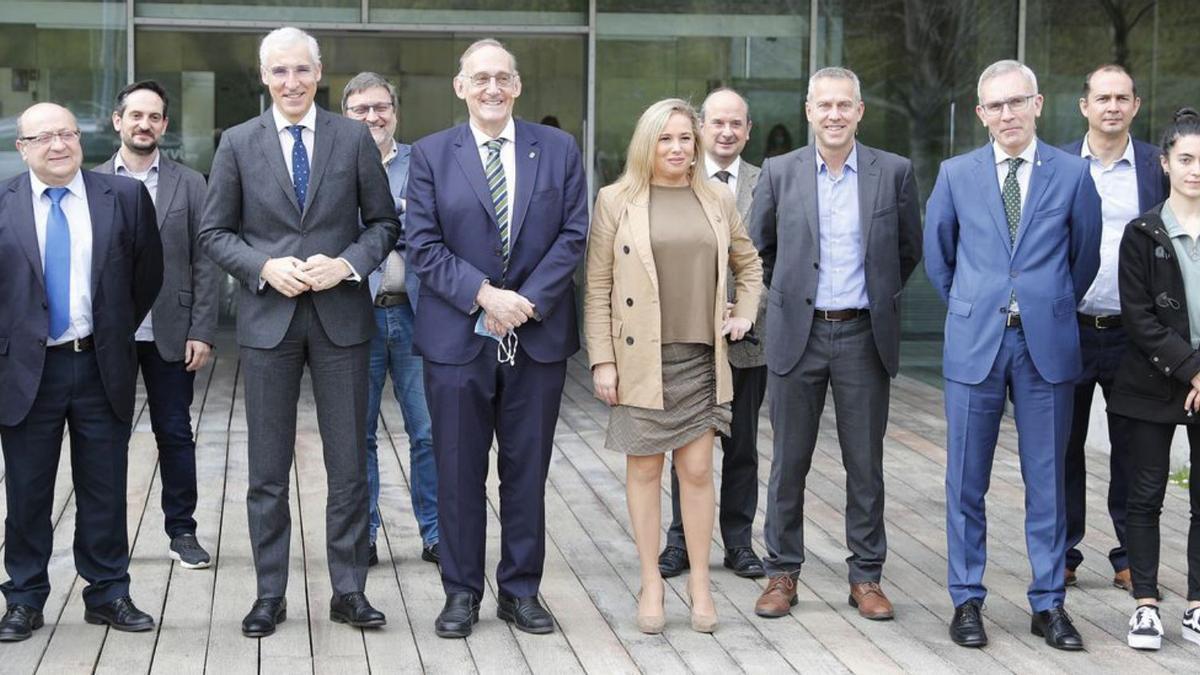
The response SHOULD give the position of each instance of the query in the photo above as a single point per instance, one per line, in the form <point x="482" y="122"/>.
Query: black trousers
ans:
<point x="169" y="397"/>
<point x="1151" y="466"/>
<point x="739" y="465"/>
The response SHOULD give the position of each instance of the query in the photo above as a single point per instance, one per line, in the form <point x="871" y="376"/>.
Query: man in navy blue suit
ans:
<point x="83" y="267"/>
<point x="1130" y="181"/>
<point x="497" y="224"/>
<point x="1012" y="242"/>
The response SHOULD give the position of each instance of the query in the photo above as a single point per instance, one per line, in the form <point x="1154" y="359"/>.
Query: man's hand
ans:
<point x="285" y="276"/>
<point x="506" y="310"/>
<point x="196" y="355"/>
<point x="325" y="272"/>
<point x="736" y="328"/>
<point x="604" y="379"/>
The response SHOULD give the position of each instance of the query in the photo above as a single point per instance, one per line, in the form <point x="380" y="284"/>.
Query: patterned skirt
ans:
<point x="689" y="406"/>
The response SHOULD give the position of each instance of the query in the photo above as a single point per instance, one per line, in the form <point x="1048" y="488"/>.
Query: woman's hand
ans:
<point x="604" y="379"/>
<point x="1192" y="404"/>
<point x="736" y="328"/>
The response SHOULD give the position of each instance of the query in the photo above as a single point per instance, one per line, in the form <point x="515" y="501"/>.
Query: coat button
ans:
<point x="41" y="342"/>
<point x="625" y="249"/>
<point x="816" y="266"/>
<point x="629" y="302"/>
<point x="1166" y="370"/>
<point x="629" y="340"/>
<point x="808" y="301"/>
<point x="1154" y="359"/>
<point x="1012" y="275"/>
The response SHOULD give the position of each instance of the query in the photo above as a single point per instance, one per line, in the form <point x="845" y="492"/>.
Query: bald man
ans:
<point x="83" y="265"/>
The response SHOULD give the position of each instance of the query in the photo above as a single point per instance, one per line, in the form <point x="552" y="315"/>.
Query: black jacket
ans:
<point x="1154" y="377"/>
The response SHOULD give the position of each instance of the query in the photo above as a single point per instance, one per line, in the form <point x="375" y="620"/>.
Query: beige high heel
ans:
<point x="652" y="624"/>
<point x="701" y="623"/>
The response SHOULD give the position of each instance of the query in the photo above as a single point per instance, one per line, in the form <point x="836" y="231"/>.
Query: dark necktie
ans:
<point x="723" y="176"/>
<point x="1012" y="197"/>
<point x="498" y="187"/>
<point x="299" y="165"/>
<point x="56" y="270"/>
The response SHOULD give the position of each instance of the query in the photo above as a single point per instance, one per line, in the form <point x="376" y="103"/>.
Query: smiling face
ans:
<point x="834" y="113"/>
<point x="726" y="127"/>
<point x="1110" y="105"/>
<point x="675" y="152"/>
<point x="490" y="86"/>
<point x="292" y="77"/>
<point x="1182" y="166"/>
<point x="374" y="107"/>
<point x="142" y="123"/>
<point x="57" y="161"/>
<point x="1013" y="129"/>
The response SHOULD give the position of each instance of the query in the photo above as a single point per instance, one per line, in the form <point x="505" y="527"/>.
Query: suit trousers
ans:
<point x="842" y="356"/>
<point x="517" y="405"/>
<point x="70" y="393"/>
<point x="739" y="465"/>
<point x="1102" y="352"/>
<point x="339" y="384"/>
<point x="1043" y="417"/>
<point x="169" y="388"/>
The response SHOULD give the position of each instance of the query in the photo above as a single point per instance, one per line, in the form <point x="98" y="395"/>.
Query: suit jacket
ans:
<point x="397" y="174"/>
<point x="186" y="308"/>
<point x="785" y="227"/>
<point x="454" y="241"/>
<point x="975" y="267"/>
<point x="1153" y="184"/>
<point x="744" y="354"/>
<point x="251" y="215"/>
<point x="126" y="274"/>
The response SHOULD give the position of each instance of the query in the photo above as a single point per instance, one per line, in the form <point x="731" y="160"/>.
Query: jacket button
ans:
<point x="629" y="302"/>
<point x="808" y="301"/>
<point x="1012" y="275"/>
<point x="816" y="266"/>
<point x="499" y="250"/>
<point x="45" y="305"/>
<point x="629" y="340"/>
<point x="625" y="249"/>
<point x="1154" y="359"/>
<point x="41" y="342"/>
<point x="1166" y="370"/>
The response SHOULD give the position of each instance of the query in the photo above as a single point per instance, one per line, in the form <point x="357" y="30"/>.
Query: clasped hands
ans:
<point x="503" y="310"/>
<point x="292" y="276"/>
<point x="1192" y="403"/>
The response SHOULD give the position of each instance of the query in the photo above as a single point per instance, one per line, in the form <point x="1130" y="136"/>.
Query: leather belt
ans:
<point x="1101" y="322"/>
<point x="83" y="344"/>
<point x="390" y="299"/>
<point x="1012" y="320"/>
<point x="838" y="314"/>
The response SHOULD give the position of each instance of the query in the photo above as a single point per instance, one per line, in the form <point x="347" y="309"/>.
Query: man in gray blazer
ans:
<point x="176" y="337"/>
<point x="726" y="128"/>
<point x="285" y="195"/>
<point x="841" y="224"/>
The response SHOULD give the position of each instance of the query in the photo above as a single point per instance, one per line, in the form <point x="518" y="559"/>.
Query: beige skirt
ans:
<point x="689" y="406"/>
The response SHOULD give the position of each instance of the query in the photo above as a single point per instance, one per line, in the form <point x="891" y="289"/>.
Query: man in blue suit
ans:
<point x="496" y="226"/>
<point x="1130" y="181"/>
<point x="1011" y="244"/>
<point x="83" y="266"/>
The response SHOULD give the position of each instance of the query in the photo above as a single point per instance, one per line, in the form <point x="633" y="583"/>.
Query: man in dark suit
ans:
<point x="496" y="226"/>
<point x="1130" y="181"/>
<point x="285" y="196"/>
<point x="176" y="338"/>
<point x="725" y="117"/>
<point x="83" y="266"/>
<point x="838" y="225"/>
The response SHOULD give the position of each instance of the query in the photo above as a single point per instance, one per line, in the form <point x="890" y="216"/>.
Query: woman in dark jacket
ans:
<point x="1158" y="383"/>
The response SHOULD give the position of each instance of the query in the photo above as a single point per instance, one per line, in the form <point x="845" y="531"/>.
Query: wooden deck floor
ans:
<point x="591" y="570"/>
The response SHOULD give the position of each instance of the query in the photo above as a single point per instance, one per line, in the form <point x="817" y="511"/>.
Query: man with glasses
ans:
<point x="496" y="226"/>
<point x="371" y="99"/>
<point x="299" y="212"/>
<point x="1012" y="243"/>
<point x="85" y="266"/>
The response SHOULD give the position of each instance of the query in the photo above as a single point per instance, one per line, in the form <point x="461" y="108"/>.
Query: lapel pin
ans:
<point x="532" y="155"/>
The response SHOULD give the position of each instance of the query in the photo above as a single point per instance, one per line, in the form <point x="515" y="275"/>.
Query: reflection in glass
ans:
<point x="482" y="12"/>
<point x="291" y="11"/>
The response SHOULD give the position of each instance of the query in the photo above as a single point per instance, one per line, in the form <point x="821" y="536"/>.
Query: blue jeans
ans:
<point x="391" y="352"/>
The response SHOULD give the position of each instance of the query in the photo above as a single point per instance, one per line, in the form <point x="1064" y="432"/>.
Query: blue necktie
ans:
<point x="57" y="266"/>
<point x="299" y="165"/>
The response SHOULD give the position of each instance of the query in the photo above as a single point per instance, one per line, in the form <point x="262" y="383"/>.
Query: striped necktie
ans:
<point x="498" y="187"/>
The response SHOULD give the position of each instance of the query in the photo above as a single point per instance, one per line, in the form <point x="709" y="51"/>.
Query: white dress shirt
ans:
<point x="145" y="332"/>
<point x="508" y="159"/>
<point x="1118" y="188"/>
<point x="1029" y="154"/>
<point x="79" y="220"/>
<point x="712" y="168"/>
<point x="307" y="133"/>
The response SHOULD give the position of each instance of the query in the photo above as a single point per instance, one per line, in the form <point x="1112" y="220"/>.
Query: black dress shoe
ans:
<point x="526" y="614"/>
<point x="460" y="612"/>
<point x="120" y="614"/>
<point x="672" y="561"/>
<point x="1054" y="625"/>
<point x="264" y="616"/>
<point x="19" y="622"/>
<point x="744" y="562"/>
<point x="353" y="608"/>
<point x="429" y="553"/>
<point x="967" y="627"/>
<point x="372" y="555"/>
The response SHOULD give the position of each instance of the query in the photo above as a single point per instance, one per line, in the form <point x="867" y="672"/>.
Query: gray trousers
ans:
<point x="339" y="381"/>
<point x="840" y="355"/>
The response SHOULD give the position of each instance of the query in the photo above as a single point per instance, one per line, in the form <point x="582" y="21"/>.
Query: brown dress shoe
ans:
<point x="1123" y="580"/>
<point x="1069" y="578"/>
<point x="778" y="598"/>
<point x="872" y="604"/>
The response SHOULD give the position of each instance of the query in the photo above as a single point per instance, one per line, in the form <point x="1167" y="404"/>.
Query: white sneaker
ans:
<point x="1191" y="625"/>
<point x="1146" y="628"/>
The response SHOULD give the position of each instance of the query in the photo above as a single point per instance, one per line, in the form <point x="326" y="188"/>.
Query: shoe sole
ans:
<point x="669" y="573"/>
<point x="776" y="615"/>
<point x="877" y="617"/>
<point x="342" y="618"/>
<point x="745" y="574"/>
<point x="187" y="565"/>
<point x="1145" y="642"/>
<point x="1042" y="634"/>
<point x="101" y="621"/>
<point x="443" y="633"/>
<point x="1191" y="636"/>
<point x="971" y="644"/>
<point x="508" y="616"/>
<point x="265" y="633"/>
<point x="425" y="555"/>
<point x="37" y="623"/>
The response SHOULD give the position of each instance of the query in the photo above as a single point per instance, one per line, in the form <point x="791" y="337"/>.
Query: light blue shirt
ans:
<point x="841" y="278"/>
<point x="1187" y="252"/>
<point x="1118" y="188"/>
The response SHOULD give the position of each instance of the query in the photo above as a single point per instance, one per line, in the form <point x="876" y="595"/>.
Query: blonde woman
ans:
<point x="661" y="244"/>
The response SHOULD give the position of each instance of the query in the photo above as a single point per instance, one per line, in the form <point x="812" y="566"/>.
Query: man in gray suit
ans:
<point x="726" y="128"/>
<point x="176" y="337"/>
<point x="841" y="224"/>
<point x="285" y="195"/>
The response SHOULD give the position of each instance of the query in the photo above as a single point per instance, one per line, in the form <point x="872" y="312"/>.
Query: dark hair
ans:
<point x="1107" y="68"/>
<point x="148" y="85"/>
<point x="369" y="80"/>
<point x="1185" y="122"/>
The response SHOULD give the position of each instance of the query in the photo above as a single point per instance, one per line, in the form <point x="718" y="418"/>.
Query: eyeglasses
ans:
<point x="481" y="80"/>
<point x="1015" y="104"/>
<point x="69" y="136"/>
<point x="280" y="73"/>
<point x="366" y="108"/>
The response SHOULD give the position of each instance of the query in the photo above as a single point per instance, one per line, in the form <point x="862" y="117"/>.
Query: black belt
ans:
<point x="1012" y="320"/>
<point x="1102" y="322"/>
<point x="390" y="299"/>
<point x="838" y="314"/>
<point x="83" y="344"/>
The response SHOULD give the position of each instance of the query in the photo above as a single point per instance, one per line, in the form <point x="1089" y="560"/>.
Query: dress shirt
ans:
<point x="75" y="207"/>
<point x="508" y="159"/>
<point x="841" y="278"/>
<point x="1118" y="188"/>
<point x="1029" y="154"/>
<point x="393" y="264"/>
<point x="712" y="168"/>
<point x="145" y="332"/>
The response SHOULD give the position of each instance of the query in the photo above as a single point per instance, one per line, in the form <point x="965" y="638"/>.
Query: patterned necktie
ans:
<point x="498" y="187"/>
<point x="723" y="176"/>
<point x="57" y="267"/>
<point x="299" y="165"/>
<point x="1012" y="197"/>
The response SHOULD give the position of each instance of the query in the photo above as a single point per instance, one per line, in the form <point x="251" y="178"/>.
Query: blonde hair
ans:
<point x="634" y="182"/>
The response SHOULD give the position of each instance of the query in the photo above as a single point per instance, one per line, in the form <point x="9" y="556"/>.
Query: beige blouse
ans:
<point x="685" y="255"/>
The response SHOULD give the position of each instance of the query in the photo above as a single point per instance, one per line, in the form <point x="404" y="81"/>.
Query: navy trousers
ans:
<point x="169" y="397"/>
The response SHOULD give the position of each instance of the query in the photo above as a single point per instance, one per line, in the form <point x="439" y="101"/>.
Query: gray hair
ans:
<point x="369" y="80"/>
<point x="722" y="90"/>
<point x="480" y="44"/>
<point x="835" y="73"/>
<point x="282" y="38"/>
<point x="1005" y="67"/>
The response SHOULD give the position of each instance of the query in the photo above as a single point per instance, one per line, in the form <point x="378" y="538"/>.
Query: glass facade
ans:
<point x="594" y="65"/>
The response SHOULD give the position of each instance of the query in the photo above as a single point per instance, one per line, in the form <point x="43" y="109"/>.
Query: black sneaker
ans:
<point x="1191" y="625"/>
<point x="672" y="561"/>
<point x="1146" y="628"/>
<point x="429" y="553"/>
<point x="188" y="551"/>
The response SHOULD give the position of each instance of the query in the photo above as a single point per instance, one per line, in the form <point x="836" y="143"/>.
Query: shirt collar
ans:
<point x="851" y="162"/>
<point x="75" y="187"/>
<point x="712" y="168"/>
<point x="119" y="163"/>
<point x="1127" y="156"/>
<point x="1029" y="154"/>
<point x="387" y="159"/>
<point x="508" y="134"/>
<point x="1170" y="222"/>
<point x="309" y="121"/>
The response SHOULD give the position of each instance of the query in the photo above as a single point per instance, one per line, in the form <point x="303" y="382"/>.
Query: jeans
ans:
<point x="391" y="352"/>
<point x="169" y="395"/>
